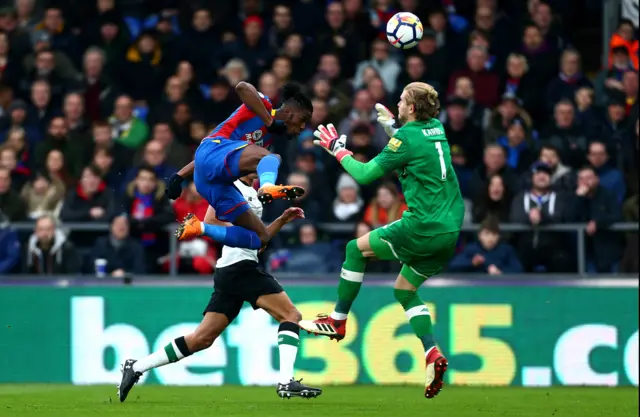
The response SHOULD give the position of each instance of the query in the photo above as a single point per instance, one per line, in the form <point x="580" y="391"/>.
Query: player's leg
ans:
<point x="358" y="252"/>
<point x="254" y="158"/>
<point x="219" y="313"/>
<point x="280" y="307"/>
<point x="227" y="205"/>
<point x="405" y="292"/>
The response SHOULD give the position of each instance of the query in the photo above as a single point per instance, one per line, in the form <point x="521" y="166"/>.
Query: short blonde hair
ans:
<point x="424" y="98"/>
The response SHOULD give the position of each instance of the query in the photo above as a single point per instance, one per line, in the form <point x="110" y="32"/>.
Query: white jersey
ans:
<point x="231" y="255"/>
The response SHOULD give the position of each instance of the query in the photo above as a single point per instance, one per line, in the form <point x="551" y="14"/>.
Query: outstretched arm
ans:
<point x="254" y="101"/>
<point x="288" y="216"/>
<point x="393" y="156"/>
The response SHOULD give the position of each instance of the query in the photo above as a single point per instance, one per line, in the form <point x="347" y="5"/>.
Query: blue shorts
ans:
<point x="216" y="169"/>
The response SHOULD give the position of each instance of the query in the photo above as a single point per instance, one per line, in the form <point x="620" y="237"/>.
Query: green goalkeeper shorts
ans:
<point x="422" y="256"/>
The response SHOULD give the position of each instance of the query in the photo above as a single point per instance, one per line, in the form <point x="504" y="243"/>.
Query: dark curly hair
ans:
<point x="292" y="93"/>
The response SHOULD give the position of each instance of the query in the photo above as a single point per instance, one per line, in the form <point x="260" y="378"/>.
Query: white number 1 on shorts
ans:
<point x="443" y="167"/>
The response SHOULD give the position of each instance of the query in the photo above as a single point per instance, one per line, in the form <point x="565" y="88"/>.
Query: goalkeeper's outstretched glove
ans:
<point x="386" y="119"/>
<point x="331" y="141"/>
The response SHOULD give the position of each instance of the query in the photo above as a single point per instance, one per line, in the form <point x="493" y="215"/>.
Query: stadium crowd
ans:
<point x="102" y="100"/>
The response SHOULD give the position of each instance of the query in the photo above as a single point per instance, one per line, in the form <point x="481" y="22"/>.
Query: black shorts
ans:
<point x="237" y="283"/>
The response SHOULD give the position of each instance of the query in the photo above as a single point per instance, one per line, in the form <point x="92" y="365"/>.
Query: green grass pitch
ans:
<point x="336" y="401"/>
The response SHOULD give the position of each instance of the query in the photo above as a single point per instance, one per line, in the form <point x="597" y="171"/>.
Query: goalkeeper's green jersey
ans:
<point x="419" y="153"/>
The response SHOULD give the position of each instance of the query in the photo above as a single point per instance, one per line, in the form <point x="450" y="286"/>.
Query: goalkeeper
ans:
<point x="424" y="239"/>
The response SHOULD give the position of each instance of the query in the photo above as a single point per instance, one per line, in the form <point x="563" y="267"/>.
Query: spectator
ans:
<point x="58" y="138"/>
<point x="73" y="111"/>
<point x="26" y="14"/>
<point x="386" y="207"/>
<point x="49" y="252"/>
<point x="21" y="164"/>
<point x="42" y="196"/>
<point x="630" y="211"/>
<point x="348" y="205"/>
<point x="461" y="132"/>
<point x="486" y="83"/>
<point x="587" y="115"/>
<point x="434" y="57"/>
<point x="610" y="78"/>
<point x="281" y="68"/>
<point x="339" y="104"/>
<point x="519" y="81"/>
<point x="383" y="63"/>
<point x="9" y="243"/>
<point x="177" y="154"/>
<point x="536" y="207"/>
<point x="91" y="201"/>
<point x="566" y="135"/>
<point x="98" y="91"/>
<point x="125" y="127"/>
<point x="52" y="67"/>
<point x="154" y="155"/>
<point x="174" y="93"/>
<point x="221" y="102"/>
<point x="17" y="118"/>
<point x="340" y="39"/>
<point x="598" y="208"/>
<point x="10" y="70"/>
<point x="494" y="202"/>
<point x="568" y="81"/>
<point x="122" y="253"/>
<point x="308" y="255"/>
<point x="488" y="255"/>
<point x="494" y="162"/>
<point x="563" y="178"/>
<point x="56" y="168"/>
<point x="624" y="37"/>
<point x="363" y="111"/>
<point x="477" y="114"/>
<point x="201" y="32"/>
<point x="517" y="148"/>
<point x="142" y="70"/>
<point x="102" y="140"/>
<point x="309" y="202"/>
<point x="61" y="39"/>
<point x="149" y="212"/>
<point x="187" y="77"/>
<point x="302" y="59"/>
<point x="42" y="110"/>
<point x="9" y="162"/>
<point x="540" y="55"/>
<point x="610" y="178"/>
<point x="329" y="66"/>
<point x="509" y="109"/>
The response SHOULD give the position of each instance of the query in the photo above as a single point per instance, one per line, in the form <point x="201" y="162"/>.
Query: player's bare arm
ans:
<point x="251" y="98"/>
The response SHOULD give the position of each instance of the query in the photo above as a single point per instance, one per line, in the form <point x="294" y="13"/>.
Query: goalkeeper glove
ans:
<point x="331" y="141"/>
<point x="386" y="119"/>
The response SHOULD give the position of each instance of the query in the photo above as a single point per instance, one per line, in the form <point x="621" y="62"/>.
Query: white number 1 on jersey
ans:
<point x="443" y="166"/>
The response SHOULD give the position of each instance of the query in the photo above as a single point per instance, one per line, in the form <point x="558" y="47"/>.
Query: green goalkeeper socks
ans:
<point x="350" y="280"/>
<point x="418" y="315"/>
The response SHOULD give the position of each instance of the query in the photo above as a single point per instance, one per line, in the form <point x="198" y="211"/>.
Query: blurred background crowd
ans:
<point x="102" y="100"/>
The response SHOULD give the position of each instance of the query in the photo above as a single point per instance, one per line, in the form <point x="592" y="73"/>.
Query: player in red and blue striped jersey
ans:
<point x="237" y="147"/>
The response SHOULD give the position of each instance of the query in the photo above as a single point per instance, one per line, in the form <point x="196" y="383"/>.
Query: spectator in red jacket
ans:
<point x="486" y="83"/>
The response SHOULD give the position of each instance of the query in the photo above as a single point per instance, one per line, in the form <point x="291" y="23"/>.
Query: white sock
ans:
<point x="288" y="341"/>
<point x="170" y="353"/>
<point x="338" y="316"/>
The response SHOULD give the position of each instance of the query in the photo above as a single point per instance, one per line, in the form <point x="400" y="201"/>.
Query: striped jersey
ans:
<point x="244" y="125"/>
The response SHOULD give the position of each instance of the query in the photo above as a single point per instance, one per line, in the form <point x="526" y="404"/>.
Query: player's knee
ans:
<point x="202" y="340"/>
<point x="403" y="296"/>
<point x="291" y="315"/>
<point x="352" y="250"/>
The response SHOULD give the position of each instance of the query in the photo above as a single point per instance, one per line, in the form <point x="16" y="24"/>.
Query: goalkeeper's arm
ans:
<point x="363" y="173"/>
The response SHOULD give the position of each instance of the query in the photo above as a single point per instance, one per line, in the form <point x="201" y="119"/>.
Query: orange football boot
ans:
<point x="190" y="227"/>
<point x="269" y="193"/>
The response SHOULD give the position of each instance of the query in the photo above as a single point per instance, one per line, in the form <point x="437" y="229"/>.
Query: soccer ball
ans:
<point x="404" y="30"/>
